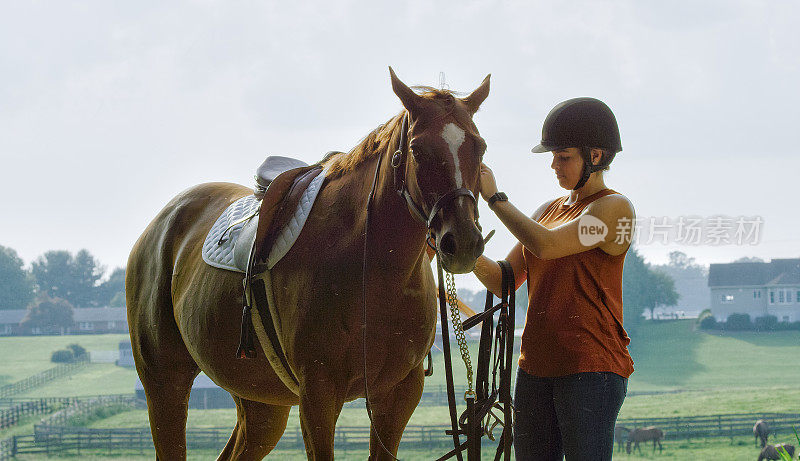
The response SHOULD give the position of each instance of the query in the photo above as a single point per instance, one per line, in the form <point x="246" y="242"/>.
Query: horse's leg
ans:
<point x="660" y="448"/>
<point x="391" y="412"/>
<point x="320" y="406"/>
<point x="164" y="366"/>
<point x="258" y="428"/>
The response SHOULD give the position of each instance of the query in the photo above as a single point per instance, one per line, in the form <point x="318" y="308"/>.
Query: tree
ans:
<point x="680" y="260"/>
<point x="112" y="291"/>
<point x="644" y="289"/>
<point x="49" y="315"/>
<point x="59" y="274"/>
<point x="16" y="284"/>
<point x="749" y="259"/>
<point x="662" y="291"/>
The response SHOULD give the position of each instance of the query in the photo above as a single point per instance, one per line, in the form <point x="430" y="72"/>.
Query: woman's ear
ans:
<point x="596" y="155"/>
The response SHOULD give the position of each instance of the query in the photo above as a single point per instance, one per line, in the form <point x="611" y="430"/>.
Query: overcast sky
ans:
<point x="108" y="109"/>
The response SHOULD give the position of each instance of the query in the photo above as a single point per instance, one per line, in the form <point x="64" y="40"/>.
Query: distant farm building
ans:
<point x="205" y="394"/>
<point x="86" y="320"/>
<point x="756" y="288"/>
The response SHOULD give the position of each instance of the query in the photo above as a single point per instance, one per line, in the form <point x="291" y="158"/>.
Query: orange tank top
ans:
<point x="574" y="319"/>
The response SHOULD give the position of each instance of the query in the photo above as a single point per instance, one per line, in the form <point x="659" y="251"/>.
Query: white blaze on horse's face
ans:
<point x="454" y="137"/>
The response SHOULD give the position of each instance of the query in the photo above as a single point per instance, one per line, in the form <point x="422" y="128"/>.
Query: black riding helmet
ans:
<point x="584" y="123"/>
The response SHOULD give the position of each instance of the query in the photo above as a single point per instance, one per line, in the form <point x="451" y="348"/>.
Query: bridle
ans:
<point x="399" y="166"/>
<point x="399" y="161"/>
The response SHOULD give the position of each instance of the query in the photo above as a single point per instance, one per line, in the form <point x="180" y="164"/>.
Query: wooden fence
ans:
<point x="53" y="439"/>
<point x="13" y="412"/>
<point x="41" y="378"/>
<point x="81" y="406"/>
<point x="729" y="425"/>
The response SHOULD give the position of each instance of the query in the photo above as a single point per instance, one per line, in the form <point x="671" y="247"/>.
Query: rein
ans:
<point x="480" y="405"/>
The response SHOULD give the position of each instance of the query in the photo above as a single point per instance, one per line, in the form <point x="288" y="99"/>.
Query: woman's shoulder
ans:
<point x="615" y="200"/>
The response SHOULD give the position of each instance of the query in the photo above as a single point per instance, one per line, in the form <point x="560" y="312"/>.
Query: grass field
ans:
<point x="715" y="372"/>
<point x="671" y="355"/>
<point x="23" y="356"/>
<point x="740" y="449"/>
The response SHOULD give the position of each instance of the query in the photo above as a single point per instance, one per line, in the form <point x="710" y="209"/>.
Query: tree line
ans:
<point x="55" y="283"/>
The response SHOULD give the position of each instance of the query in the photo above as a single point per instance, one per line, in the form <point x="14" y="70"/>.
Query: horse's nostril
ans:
<point x="448" y="244"/>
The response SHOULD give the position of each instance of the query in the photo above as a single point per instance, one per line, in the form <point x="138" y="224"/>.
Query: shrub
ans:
<point x="766" y="323"/>
<point x="708" y="323"/>
<point x="78" y="352"/>
<point x="62" y="356"/>
<point x="738" y="322"/>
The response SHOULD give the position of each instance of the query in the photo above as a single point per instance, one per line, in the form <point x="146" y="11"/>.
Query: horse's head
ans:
<point x="445" y="153"/>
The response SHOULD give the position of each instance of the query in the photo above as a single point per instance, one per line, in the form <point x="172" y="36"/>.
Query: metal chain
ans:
<point x="458" y="330"/>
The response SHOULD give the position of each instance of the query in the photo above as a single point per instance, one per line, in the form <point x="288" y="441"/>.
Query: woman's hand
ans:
<point x="488" y="184"/>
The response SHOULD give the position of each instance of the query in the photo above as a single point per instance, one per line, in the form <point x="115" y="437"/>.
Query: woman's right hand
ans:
<point x="488" y="183"/>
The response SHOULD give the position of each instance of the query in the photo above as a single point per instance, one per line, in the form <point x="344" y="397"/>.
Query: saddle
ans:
<point x="282" y="183"/>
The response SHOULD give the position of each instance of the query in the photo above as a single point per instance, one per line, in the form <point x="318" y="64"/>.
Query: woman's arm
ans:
<point x="488" y="271"/>
<point x="613" y="217"/>
<point x="490" y="275"/>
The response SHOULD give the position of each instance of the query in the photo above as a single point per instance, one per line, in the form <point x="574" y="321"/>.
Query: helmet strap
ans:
<point x="587" y="169"/>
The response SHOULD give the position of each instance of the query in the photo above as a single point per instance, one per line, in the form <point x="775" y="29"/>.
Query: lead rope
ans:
<point x="458" y="330"/>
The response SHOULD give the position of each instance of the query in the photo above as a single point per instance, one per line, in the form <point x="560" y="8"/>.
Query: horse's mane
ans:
<point x="378" y="139"/>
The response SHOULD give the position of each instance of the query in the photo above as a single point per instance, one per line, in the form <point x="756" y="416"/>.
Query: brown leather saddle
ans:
<point x="281" y="184"/>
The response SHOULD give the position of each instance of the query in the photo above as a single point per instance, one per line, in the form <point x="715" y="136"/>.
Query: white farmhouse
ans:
<point x="756" y="288"/>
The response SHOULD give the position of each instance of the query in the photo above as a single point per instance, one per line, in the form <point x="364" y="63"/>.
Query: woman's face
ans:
<point x="568" y="166"/>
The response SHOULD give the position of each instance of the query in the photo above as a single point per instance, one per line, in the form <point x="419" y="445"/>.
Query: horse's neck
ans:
<point x="395" y="236"/>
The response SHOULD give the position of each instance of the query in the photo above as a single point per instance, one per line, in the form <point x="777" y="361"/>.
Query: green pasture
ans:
<point x="739" y="449"/>
<point x="673" y="355"/>
<point x="714" y="373"/>
<point x="23" y="356"/>
<point x="669" y="355"/>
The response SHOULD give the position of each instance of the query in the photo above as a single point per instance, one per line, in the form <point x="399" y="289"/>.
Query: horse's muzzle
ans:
<point x="459" y="249"/>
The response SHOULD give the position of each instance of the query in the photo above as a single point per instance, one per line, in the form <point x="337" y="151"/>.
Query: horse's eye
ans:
<point x="420" y="154"/>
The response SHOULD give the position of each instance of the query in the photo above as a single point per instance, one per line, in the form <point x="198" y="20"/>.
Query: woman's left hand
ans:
<point x="488" y="184"/>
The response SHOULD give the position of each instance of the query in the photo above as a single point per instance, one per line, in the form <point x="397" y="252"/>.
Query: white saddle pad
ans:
<point x="228" y="243"/>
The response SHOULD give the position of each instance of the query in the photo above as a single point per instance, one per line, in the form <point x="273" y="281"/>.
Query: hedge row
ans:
<point x="742" y="322"/>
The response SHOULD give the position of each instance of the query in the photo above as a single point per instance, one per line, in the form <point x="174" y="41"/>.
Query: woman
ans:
<point x="574" y="362"/>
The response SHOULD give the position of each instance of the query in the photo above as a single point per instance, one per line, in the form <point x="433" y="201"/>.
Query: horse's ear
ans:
<point x="474" y="100"/>
<point x="411" y="101"/>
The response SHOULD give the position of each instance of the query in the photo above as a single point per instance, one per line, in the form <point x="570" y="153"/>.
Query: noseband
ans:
<point x="399" y="165"/>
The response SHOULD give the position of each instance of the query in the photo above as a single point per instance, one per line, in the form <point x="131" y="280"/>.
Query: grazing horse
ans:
<point x="621" y="435"/>
<point x="761" y="431"/>
<point x="772" y="452"/>
<point x="645" y="434"/>
<point x="346" y="331"/>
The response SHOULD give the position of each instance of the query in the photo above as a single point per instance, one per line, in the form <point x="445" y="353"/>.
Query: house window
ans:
<point x="781" y="296"/>
<point x="798" y="296"/>
<point x="726" y="299"/>
<point x="86" y="326"/>
<point x="771" y="296"/>
<point x="756" y="294"/>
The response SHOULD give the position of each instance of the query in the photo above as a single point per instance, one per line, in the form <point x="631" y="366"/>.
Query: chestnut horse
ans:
<point x="184" y="315"/>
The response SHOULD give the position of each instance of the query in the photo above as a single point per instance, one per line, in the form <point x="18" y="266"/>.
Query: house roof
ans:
<point x="775" y="272"/>
<point x="12" y="316"/>
<point x="100" y="314"/>
<point x="83" y="314"/>
<point x="200" y="382"/>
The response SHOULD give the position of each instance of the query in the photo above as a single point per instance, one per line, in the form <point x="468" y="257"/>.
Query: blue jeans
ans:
<point x="570" y="416"/>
